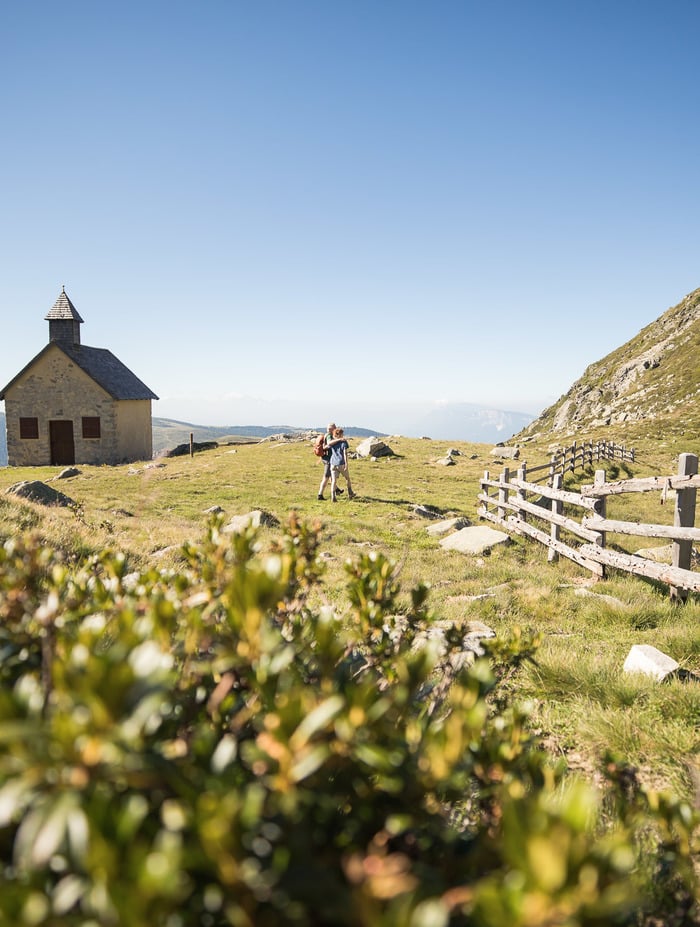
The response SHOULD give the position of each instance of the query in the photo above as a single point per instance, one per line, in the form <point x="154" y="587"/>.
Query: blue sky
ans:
<point x="432" y="202"/>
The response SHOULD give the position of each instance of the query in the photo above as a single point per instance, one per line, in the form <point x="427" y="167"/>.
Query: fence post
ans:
<point x="503" y="493"/>
<point x="684" y="517"/>
<point x="557" y="509"/>
<point x="520" y="492"/>
<point x="552" y="470"/>
<point x="572" y="467"/>
<point x="484" y="505"/>
<point x="600" y="509"/>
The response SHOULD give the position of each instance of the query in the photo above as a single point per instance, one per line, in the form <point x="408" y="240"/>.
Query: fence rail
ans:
<point x="510" y="508"/>
<point x="578" y="456"/>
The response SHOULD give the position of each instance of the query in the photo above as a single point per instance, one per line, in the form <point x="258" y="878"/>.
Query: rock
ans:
<point x="36" y="491"/>
<point x="213" y="510"/>
<point x="453" y="452"/>
<point x="662" y="554"/>
<point x="255" y="519"/>
<point x="445" y="461"/>
<point x="507" y="453"/>
<point x="123" y="512"/>
<point x="164" y="551"/>
<point x="436" y="634"/>
<point x="445" y="527"/>
<point x="643" y="658"/>
<point x="68" y="472"/>
<point x="474" y="540"/>
<point x="427" y="511"/>
<point x="608" y="599"/>
<point x="373" y="447"/>
<point x="182" y="449"/>
<point x="154" y="466"/>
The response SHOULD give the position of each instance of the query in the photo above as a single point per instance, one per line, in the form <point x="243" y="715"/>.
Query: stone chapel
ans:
<point x="76" y="404"/>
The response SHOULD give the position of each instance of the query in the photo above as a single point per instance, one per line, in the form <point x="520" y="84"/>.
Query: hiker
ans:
<point x="339" y="448"/>
<point x="326" y="458"/>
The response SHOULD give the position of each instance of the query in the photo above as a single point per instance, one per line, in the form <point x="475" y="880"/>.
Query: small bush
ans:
<point x="205" y="747"/>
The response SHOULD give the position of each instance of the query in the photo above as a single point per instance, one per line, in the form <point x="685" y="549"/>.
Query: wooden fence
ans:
<point x="505" y="502"/>
<point x="577" y="456"/>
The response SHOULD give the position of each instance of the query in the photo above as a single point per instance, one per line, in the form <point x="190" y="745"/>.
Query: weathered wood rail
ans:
<point x="505" y="502"/>
<point x="578" y="456"/>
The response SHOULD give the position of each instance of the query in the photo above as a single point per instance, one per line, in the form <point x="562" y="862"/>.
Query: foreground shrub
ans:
<point x="209" y="748"/>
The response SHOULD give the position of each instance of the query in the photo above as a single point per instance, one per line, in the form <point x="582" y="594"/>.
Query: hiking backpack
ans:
<point x="320" y="446"/>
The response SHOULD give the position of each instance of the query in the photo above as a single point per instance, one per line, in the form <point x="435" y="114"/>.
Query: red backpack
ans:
<point x="320" y="446"/>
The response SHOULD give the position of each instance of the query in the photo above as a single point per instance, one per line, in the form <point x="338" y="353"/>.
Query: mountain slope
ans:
<point x="653" y="377"/>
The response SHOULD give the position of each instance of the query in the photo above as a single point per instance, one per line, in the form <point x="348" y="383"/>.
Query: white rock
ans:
<point x="373" y="447"/>
<point x="608" y="599"/>
<point x="444" y="527"/>
<point x="643" y="658"/>
<point x="474" y="540"/>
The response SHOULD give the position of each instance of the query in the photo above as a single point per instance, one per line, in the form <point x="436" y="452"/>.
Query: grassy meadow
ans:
<point x="582" y="703"/>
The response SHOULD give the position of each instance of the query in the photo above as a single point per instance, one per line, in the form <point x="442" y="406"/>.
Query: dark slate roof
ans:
<point x="63" y="308"/>
<point x="102" y="366"/>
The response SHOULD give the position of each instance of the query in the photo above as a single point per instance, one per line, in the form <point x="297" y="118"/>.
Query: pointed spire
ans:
<point x="64" y="321"/>
<point x="63" y="308"/>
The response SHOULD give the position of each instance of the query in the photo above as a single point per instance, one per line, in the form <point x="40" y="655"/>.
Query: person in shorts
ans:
<point x="339" y="448"/>
<point x="327" y="462"/>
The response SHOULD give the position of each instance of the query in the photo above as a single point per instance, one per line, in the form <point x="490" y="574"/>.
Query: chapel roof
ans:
<point x="99" y="364"/>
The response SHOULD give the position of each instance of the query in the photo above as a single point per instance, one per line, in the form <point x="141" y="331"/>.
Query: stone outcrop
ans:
<point x="652" y="375"/>
<point x="447" y="526"/>
<point x="474" y="540"/>
<point x="36" y="491"/>
<point x="255" y="519"/>
<point x="645" y="659"/>
<point x="373" y="447"/>
<point x="183" y="449"/>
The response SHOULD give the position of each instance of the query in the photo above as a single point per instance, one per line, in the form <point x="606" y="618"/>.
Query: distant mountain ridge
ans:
<point x="459" y="421"/>
<point x="655" y="376"/>
<point x="168" y="433"/>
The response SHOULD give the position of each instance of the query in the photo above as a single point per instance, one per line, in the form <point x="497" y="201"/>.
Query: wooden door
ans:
<point x="62" y="444"/>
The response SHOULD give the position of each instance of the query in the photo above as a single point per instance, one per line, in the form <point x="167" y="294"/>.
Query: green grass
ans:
<point x="583" y="704"/>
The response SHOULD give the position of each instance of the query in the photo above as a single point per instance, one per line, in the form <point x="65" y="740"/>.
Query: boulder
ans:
<point x="607" y="599"/>
<point x="663" y="554"/>
<point x="643" y="658"/>
<point x="445" y="527"/>
<point x="445" y="461"/>
<point x="254" y="519"/>
<point x="474" y="540"/>
<point x="373" y="447"/>
<point x="427" y="511"/>
<point x="68" y="472"/>
<point x="507" y="453"/>
<point x="182" y="449"/>
<point x="36" y="491"/>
